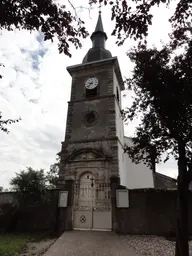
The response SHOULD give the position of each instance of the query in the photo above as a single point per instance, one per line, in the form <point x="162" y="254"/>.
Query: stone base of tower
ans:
<point x="99" y="156"/>
<point x="90" y="165"/>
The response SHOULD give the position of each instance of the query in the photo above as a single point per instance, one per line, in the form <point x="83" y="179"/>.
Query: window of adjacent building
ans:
<point x="117" y="94"/>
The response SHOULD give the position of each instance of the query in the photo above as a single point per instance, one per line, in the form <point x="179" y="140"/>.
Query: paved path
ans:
<point x="85" y="243"/>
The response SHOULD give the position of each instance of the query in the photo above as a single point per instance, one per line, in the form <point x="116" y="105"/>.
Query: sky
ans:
<point x="36" y="87"/>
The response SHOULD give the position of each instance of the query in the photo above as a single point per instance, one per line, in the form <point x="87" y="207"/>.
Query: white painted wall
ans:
<point x="134" y="175"/>
<point x="131" y="175"/>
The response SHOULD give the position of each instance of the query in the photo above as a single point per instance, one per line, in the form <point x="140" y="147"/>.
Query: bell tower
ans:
<point x="91" y="152"/>
<point x="94" y="126"/>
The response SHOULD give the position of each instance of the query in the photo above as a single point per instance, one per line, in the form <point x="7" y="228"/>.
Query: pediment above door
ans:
<point x="85" y="155"/>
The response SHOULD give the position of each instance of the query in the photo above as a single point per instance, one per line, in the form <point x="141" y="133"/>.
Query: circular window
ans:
<point x="90" y="118"/>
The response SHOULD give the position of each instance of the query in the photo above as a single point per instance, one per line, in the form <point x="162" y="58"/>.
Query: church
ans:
<point x="93" y="149"/>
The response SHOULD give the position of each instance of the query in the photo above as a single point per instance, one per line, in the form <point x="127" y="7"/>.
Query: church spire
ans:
<point x="98" y="37"/>
<point x="99" y="26"/>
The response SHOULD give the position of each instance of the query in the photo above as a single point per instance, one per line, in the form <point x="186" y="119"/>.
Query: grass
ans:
<point x="13" y="244"/>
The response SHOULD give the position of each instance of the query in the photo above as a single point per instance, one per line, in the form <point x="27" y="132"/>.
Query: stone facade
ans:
<point x="91" y="148"/>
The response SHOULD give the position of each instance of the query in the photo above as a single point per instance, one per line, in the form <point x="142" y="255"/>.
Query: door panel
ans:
<point x="92" y="204"/>
<point x="102" y="220"/>
<point x="82" y="219"/>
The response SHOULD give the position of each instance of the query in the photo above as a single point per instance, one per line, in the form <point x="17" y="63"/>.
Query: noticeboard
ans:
<point x="122" y="198"/>
<point x="63" y="198"/>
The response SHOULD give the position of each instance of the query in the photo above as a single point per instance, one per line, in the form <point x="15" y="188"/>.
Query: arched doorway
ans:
<point x="92" y="204"/>
<point x="87" y="190"/>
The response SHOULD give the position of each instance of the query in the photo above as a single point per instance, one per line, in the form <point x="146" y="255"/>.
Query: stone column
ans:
<point x="115" y="182"/>
<point x="69" y="185"/>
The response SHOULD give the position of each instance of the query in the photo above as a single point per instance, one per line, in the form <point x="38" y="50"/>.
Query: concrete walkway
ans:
<point x="85" y="243"/>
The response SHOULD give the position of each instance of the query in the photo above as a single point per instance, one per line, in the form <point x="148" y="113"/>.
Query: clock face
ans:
<point x="91" y="83"/>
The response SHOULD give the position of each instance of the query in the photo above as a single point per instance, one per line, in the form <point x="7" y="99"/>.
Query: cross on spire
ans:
<point x="98" y="37"/>
<point x="100" y="7"/>
<point x="99" y="25"/>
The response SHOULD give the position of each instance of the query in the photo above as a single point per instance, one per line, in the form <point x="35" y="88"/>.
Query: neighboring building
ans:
<point x="134" y="175"/>
<point x="163" y="181"/>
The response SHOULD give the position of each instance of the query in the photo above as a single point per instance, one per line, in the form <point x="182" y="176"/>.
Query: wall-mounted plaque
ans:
<point x="63" y="198"/>
<point x="122" y="198"/>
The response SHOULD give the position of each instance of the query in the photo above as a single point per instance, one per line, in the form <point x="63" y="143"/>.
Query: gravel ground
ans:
<point x="142" y="245"/>
<point x="153" y="245"/>
<point x="87" y="243"/>
<point x="38" y="248"/>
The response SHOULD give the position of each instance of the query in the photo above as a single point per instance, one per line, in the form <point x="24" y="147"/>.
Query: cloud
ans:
<point x="32" y="87"/>
<point x="36" y="86"/>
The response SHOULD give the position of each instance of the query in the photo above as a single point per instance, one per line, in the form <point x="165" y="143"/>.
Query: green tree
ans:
<point x="5" y="122"/>
<point x="55" y="20"/>
<point x="52" y="19"/>
<point x="133" y="18"/>
<point x="53" y="174"/>
<point x="163" y="98"/>
<point x="1" y="189"/>
<point x="30" y="185"/>
<point x="45" y="16"/>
